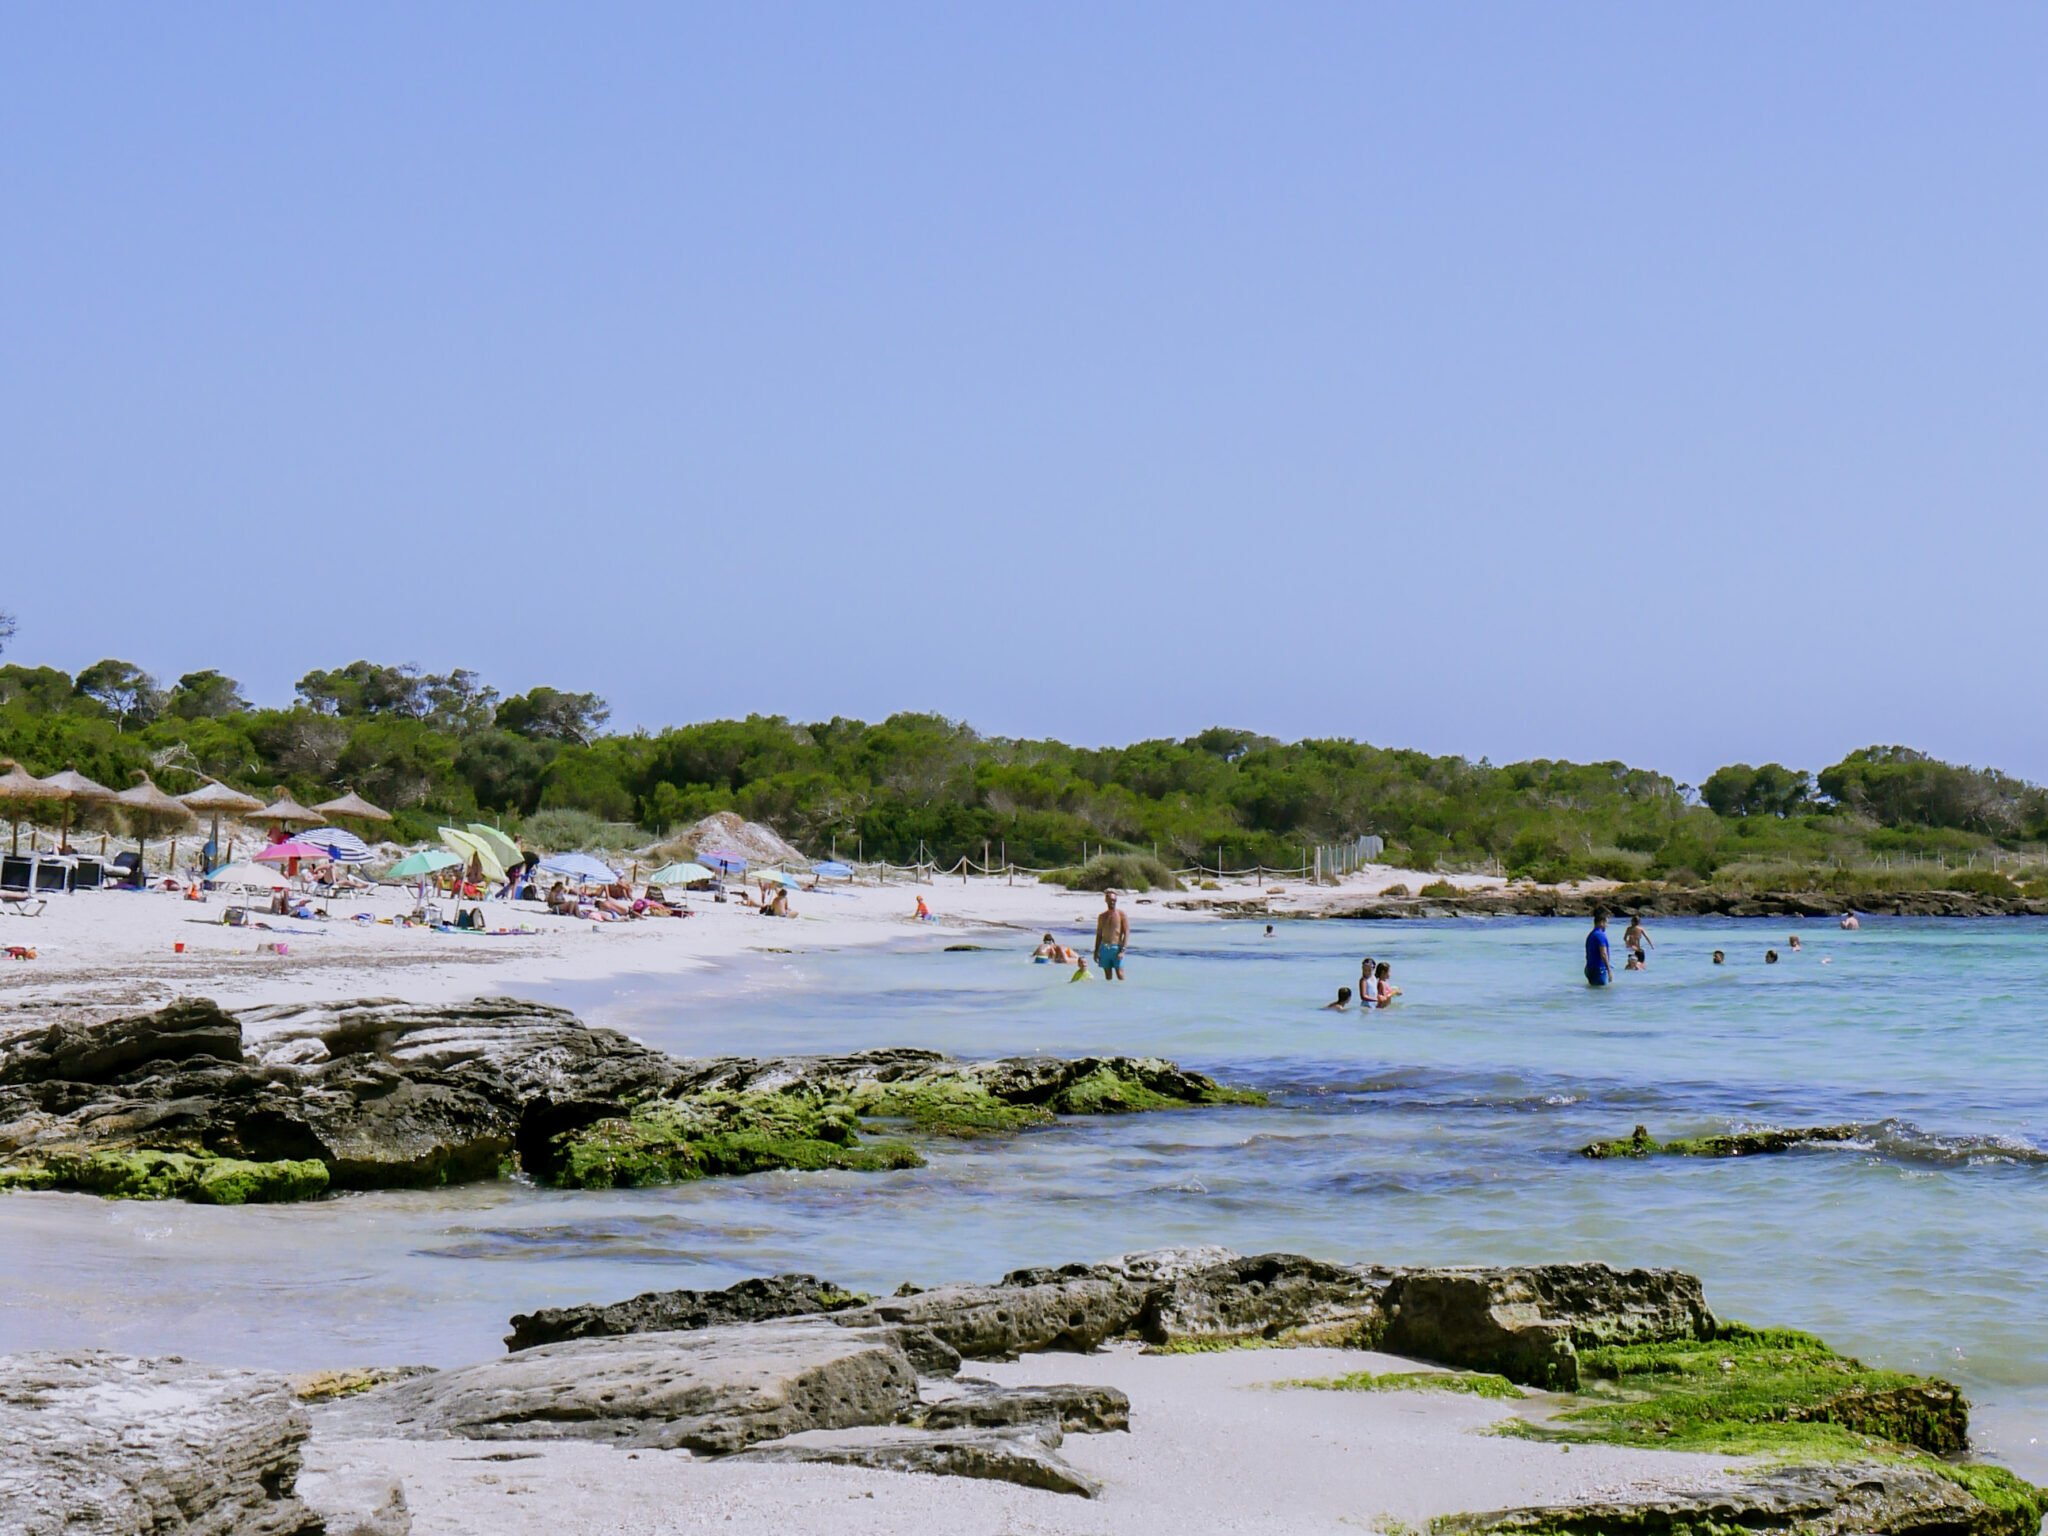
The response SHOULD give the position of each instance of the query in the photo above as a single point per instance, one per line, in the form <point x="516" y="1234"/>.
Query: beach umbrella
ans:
<point x="677" y="874"/>
<point x="352" y="804"/>
<point x="728" y="863"/>
<point x="579" y="866"/>
<point x="291" y="848"/>
<point x="251" y="874"/>
<point x="284" y="810"/>
<point x="19" y="787"/>
<point x="503" y="846"/>
<point x="337" y="845"/>
<point x="216" y="798"/>
<point x="833" y="869"/>
<point x="148" y="808"/>
<point x="74" y="788"/>
<point x="777" y="877"/>
<point x="425" y="862"/>
<point x="474" y="848"/>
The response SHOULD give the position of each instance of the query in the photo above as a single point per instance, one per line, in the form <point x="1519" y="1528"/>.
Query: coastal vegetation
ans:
<point x="439" y="747"/>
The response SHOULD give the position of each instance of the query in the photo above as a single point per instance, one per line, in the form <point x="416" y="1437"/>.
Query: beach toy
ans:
<point x="178" y="948"/>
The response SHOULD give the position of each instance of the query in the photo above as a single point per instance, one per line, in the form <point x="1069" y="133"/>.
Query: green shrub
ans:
<point x="1117" y="872"/>
<point x="1440" y="888"/>
<point x="559" y="830"/>
<point x="1982" y="882"/>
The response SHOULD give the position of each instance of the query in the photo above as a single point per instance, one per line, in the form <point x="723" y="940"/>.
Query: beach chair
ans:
<point x="21" y="905"/>
<point x="88" y="875"/>
<point x="15" y="875"/>
<point x="52" y="875"/>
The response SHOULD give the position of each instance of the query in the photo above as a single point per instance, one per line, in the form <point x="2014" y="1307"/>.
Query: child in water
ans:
<point x="1387" y="990"/>
<point x="1343" y="1000"/>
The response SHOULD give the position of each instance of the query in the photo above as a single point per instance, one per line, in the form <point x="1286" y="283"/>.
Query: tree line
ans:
<point x="434" y="747"/>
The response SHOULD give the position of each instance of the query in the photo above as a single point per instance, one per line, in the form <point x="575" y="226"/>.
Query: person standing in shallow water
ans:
<point x="1599" y="958"/>
<point x="1112" y="935"/>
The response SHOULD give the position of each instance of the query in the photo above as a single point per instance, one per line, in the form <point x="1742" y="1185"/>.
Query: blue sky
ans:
<point x="1659" y="383"/>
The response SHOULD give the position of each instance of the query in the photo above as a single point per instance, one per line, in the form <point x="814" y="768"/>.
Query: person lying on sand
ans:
<point x="1343" y="1002"/>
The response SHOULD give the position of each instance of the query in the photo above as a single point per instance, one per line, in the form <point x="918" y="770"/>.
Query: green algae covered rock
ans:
<point x="1760" y="1390"/>
<point x="151" y="1175"/>
<point x="674" y="1141"/>
<point x="1640" y="1143"/>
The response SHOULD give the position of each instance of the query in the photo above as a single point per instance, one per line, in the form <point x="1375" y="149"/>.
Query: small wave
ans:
<point x="1904" y="1142"/>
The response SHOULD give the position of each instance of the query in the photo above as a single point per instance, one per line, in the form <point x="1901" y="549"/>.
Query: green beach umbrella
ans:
<point x="680" y="874"/>
<point x="425" y="862"/>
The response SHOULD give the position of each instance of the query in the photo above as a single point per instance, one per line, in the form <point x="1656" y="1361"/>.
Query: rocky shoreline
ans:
<point x="1648" y="901"/>
<point x="794" y="1370"/>
<point x="288" y="1103"/>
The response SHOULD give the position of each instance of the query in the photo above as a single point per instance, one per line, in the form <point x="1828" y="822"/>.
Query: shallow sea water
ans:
<point x="1442" y="1129"/>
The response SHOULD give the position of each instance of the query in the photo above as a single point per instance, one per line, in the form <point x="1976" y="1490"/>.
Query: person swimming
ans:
<point x="1048" y="950"/>
<point x="1795" y="944"/>
<point x="1343" y="1000"/>
<point x="1720" y="958"/>
<point x="1849" y="921"/>
<point x="1636" y="961"/>
<point x="1770" y="957"/>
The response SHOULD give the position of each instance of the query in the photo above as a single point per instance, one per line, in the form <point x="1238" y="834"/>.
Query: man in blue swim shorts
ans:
<point x="1112" y="936"/>
<point x="1599" y="967"/>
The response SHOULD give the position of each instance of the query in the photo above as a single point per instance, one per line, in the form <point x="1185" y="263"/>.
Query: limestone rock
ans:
<point x="750" y="1301"/>
<point x="99" y="1444"/>
<point x="1077" y="1408"/>
<point x="1828" y="1500"/>
<point x="1527" y="1323"/>
<point x="987" y="1322"/>
<point x="357" y="1502"/>
<point x="713" y="1390"/>
<point x="1278" y="1297"/>
<point x="1024" y="1457"/>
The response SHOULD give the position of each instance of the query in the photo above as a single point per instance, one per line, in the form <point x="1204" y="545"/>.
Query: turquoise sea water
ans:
<point x="1442" y="1129"/>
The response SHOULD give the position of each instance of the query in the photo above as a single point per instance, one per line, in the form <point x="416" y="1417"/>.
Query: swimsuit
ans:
<point x="1109" y="956"/>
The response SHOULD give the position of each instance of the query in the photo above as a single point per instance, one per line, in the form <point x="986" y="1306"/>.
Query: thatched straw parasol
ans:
<point x="74" y="788"/>
<point x="285" y="809"/>
<point x="149" y="809"/>
<point x="352" y="804"/>
<point x="219" y="799"/>
<point x="19" y="787"/>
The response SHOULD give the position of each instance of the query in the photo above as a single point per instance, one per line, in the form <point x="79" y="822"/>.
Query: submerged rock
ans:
<point x="380" y="1093"/>
<point x="1640" y="1143"/>
<point x="751" y="1301"/>
<point x="1881" y="1498"/>
<point x="117" y="1446"/>
<point x="713" y="1391"/>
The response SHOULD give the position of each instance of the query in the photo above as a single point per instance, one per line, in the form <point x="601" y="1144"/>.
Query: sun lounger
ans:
<point x="14" y="874"/>
<point x="21" y="905"/>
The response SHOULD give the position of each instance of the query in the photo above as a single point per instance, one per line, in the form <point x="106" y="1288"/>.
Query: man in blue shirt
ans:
<point x="1599" y="969"/>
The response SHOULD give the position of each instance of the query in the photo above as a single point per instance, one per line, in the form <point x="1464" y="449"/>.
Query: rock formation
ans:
<point x="378" y="1093"/>
<point x="92" y="1442"/>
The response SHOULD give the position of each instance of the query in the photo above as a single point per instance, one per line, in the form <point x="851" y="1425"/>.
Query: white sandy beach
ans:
<point x="118" y="949"/>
